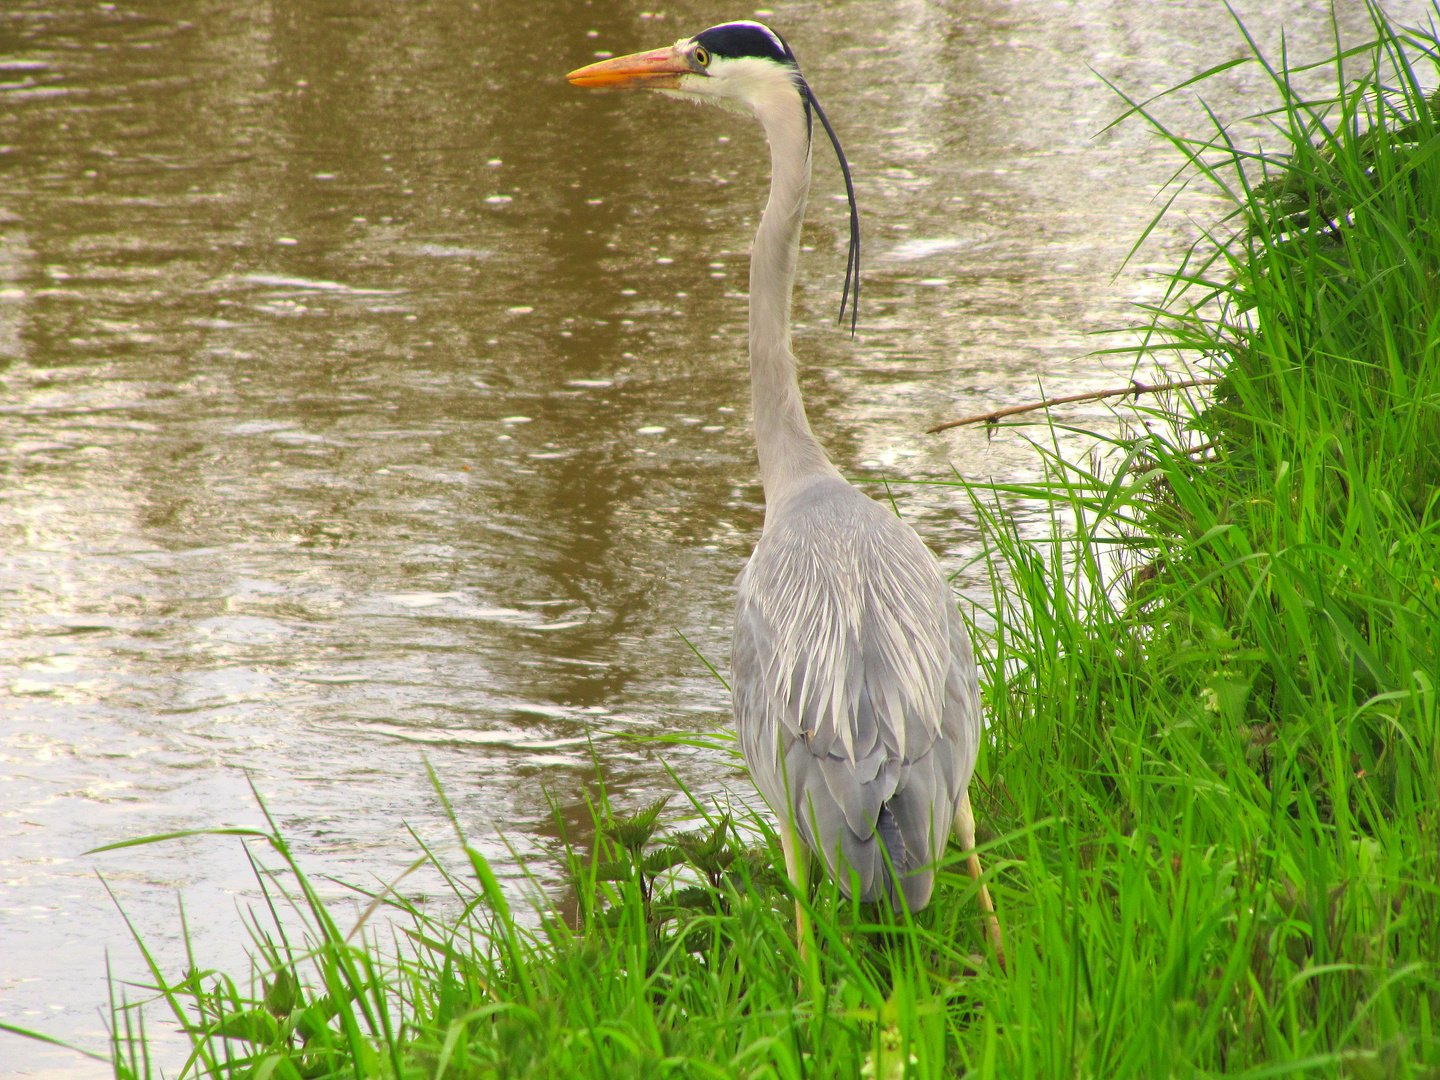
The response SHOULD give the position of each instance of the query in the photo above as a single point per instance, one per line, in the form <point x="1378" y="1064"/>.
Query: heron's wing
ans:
<point x="857" y="623"/>
<point x="846" y="697"/>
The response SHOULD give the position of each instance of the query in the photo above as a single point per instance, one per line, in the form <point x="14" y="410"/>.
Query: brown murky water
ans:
<point x="368" y="392"/>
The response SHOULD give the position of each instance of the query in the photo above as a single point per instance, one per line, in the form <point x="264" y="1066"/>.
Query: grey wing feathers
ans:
<point x="854" y="688"/>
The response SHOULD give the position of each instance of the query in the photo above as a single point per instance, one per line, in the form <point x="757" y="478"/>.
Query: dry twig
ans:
<point x="1136" y="388"/>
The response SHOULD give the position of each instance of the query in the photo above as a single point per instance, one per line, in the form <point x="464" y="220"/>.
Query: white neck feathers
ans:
<point x="789" y="452"/>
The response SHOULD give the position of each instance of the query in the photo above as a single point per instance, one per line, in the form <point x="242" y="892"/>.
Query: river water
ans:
<point x="368" y="393"/>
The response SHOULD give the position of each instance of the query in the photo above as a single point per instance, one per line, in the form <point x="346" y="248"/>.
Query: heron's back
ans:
<point x="854" y="683"/>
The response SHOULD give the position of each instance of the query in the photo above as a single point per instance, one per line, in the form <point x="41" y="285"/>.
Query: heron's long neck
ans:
<point x="789" y="453"/>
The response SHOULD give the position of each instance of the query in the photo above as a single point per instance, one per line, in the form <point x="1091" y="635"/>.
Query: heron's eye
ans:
<point x="702" y="56"/>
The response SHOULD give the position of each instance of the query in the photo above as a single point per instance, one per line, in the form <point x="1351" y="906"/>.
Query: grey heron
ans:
<point x="857" y="705"/>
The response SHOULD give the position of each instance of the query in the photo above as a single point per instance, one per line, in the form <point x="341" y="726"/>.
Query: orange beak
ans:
<point x="659" y="69"/>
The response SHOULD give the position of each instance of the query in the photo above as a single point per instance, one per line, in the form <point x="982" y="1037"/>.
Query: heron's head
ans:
<point x="741" y="65"/>
<point x="744" y="66"/>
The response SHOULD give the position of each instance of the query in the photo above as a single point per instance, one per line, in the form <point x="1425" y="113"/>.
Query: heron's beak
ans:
<point x="659" y="69"/>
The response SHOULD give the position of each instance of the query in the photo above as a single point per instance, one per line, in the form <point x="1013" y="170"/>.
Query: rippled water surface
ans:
<point x="367" y="392"/>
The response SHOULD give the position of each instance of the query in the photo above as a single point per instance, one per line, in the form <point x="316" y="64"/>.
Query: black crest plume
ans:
<point x="852" y="263"/>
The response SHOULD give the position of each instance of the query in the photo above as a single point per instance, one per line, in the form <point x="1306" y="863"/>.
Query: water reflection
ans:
<point x="367" y="391"/>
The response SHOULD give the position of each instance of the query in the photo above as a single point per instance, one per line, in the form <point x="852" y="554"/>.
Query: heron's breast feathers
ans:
<point x="850" y="628"/>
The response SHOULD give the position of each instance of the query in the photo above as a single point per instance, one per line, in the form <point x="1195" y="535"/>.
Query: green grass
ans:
<point x="1210" y="792"/>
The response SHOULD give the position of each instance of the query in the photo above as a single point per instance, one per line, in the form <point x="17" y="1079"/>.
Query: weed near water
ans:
<point x="680" y="959"/>
<point x="1238" y="737"/>
<point x="1210" y="792"/>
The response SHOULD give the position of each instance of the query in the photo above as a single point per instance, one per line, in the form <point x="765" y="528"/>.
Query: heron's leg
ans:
<point x="795" y="871"/>
<point x="964" y="830"/>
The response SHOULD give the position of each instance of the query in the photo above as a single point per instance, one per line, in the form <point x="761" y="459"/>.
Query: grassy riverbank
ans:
<point x="1209" y="797"/>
